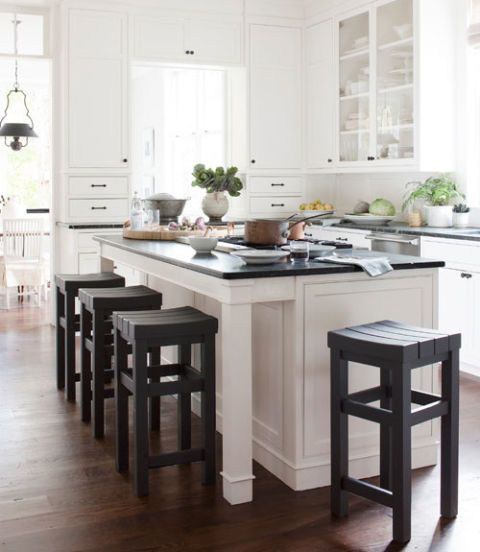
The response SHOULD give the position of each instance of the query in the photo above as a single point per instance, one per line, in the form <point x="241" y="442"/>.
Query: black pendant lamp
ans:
<point x="13" y="132"/>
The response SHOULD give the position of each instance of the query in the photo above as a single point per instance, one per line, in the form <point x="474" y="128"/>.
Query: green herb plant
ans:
<point x="435" y="191"/>
<point x="219" y="180"/>
<point x="461" y="208"/>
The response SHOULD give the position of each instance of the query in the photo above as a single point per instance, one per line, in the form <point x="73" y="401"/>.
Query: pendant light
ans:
<point x="13" y="132"/>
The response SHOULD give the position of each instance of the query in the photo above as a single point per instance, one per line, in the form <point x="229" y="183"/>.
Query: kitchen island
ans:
<point x="272" y="356"/>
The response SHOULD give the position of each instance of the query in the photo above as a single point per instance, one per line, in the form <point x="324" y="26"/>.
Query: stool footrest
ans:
<point x="368" y="491"/>
<point x="368" y="395"/>
<point x="179" y="457"/>
<point x="429" y="412"/>
<point x="193" y="382"/>
<point x="419" y="397"/>
<point x="108" y="393"/>
<point x="366" y="412"/>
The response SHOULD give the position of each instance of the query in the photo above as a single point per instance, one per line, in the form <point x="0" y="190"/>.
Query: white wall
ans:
<point x="345" y="190"/>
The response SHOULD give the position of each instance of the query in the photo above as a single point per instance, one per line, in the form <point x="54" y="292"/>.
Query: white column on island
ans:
<point x="236" y="331"/>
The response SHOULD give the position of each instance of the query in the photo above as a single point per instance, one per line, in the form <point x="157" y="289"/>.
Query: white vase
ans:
<point x="460" y="220"/>
<point x="215" y="206"/>
<point x="439" y="216"/>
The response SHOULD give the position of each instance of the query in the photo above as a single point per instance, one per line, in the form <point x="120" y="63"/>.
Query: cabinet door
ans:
<point x="159" y="37"/>
<point x="320" y="120"/>
<point x="97" y="113"/>
<point x="457" y="308"/>
<point x="275" y="97"/>
<point x="96" y="34"/>
<point x="88" y="263"/>
<point x="214" y="41"/>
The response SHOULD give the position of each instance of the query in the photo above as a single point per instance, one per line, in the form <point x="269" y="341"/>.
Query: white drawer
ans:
<point x="454" y="252"/>
<point x="98" y="209"/>
<point x="98" y="186"/>
<point x="85" y="241"/>
<point x="274" y="205"/>
<point x="278" y="185"/>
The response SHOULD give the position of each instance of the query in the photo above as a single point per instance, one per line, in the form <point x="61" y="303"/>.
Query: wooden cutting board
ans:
<point x="163" y="233"/>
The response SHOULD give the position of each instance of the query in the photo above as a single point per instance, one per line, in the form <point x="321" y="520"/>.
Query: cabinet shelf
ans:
<point x="396" y="44"/>
<point x="357" y="54"/>
<point x="354" y="96"/>
<point x="393" y="89"/>
<point x="385" y="130"/>
<point x="356" y="131"/>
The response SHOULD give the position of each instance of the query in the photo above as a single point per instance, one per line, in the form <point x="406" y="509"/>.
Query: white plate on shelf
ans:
<point x="367" y="218"/>
<point x="260" y="256"/>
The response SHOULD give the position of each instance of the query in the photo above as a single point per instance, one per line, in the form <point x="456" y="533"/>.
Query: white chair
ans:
<point x="24" y="265"/>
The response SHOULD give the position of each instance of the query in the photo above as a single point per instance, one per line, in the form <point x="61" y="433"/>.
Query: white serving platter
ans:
<point x="367" y="218"/>
<point x="260" y="256"/>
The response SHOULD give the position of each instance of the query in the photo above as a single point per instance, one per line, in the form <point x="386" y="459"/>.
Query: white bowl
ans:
<point x="202" y="245"/>
<point x="403" y="31"/>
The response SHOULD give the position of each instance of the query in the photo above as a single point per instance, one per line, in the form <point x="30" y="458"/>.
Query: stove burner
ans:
<point x="240" y="240"/>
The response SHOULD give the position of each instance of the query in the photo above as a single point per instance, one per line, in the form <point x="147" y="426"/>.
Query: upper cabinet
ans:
<point x="194" y="40"/>
<point x="275" y="97"/>
<point x="390" y="109"/>
<point x="97" y="114"/>
<point x="320" y="102"/>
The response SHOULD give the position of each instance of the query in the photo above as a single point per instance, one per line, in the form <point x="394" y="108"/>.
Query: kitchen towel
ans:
<point x="373" y="266"/>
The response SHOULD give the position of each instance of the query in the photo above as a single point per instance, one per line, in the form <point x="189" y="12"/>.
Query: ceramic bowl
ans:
<point x="203" y="245"/>
<point x="403" y="31"/>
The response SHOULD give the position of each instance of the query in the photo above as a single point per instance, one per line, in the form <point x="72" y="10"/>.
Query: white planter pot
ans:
<point x="439" y="216"/>
<point x="460" y="220"/>
<point x="215" y="206"/>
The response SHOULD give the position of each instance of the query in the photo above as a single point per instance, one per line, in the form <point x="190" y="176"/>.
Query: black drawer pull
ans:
<point x="342" y="239"/>
<point x="98" y="208"/>
<point x="307" y="235"/>
<point x="277" y="204"/>
<point x="370" y="158"/>
<point x="98" y="185"/>
<point x="278" y="184"/>
<point x="466" y="275"/>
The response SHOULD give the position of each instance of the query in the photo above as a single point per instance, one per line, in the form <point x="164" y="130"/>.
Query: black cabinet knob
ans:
<point x="466" y="275"/>
<point x="370" y="158"/>
<point x="253" y="161"/>
<point x="330" y="160"/>
<point x="125" y="160"/>
<point x="192" y="52"/>
<point x="187" y="52"/>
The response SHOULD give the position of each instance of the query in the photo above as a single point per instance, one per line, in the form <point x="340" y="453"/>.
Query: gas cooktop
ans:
<point x="240" y="241"/>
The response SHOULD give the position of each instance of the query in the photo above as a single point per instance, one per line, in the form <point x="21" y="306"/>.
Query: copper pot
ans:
<point x="274" y="232"/>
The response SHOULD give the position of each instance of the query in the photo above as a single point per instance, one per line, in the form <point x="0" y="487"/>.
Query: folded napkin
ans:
<point x="373" y="266"/>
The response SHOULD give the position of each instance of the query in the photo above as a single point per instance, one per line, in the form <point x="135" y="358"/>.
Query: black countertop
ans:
<point x="472" y="234"/>
<point x="225" y="266"/>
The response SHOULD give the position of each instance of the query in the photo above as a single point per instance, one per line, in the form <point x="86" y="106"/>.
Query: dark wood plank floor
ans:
<point x="59" y="491"/>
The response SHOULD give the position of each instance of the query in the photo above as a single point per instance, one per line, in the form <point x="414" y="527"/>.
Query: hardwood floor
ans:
<point x="59" y="491"/>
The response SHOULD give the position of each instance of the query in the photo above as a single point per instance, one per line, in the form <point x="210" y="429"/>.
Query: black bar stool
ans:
<point x="396" y="349"/>
<point x="181" y="327"/>
<point x="68" y="323"/>
<point x="96" y="346"/>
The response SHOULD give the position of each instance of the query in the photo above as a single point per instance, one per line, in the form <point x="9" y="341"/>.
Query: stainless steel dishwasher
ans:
<point x="395" y="243"/>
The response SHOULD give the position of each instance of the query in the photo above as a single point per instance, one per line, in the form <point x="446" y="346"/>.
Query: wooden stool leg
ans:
<point x="155" y="355"/>
<point x="121" y="404"/>
<point x="140" y="417"/>
<point x="339" y="433"/>
<point x="85" y="365"/>
<point x="70" y="370"/>
<point x="401" y="454"/>
<point x="208" y="410"/>
<point x="450" y="428"/>
<point x="184" y="404"/>
<point x="60" y="334"/>
<point x="386" y="432"/>
<point x="98" y="370"/>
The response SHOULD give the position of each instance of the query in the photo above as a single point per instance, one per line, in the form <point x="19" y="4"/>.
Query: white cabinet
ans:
<point x="275" y="98"/>
<point x="320" y="104"/>
<point x="193" y="40"/>
<point x="390" y="114"/>
<point x="97" y="90"/>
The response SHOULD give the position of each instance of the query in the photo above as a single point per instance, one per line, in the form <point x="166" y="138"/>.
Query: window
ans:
<point x="179" y="113"/>
<point x="30" y="34"/>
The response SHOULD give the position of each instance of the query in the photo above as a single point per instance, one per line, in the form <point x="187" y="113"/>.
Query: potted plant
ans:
<point x="216" y="183"/>
<point x="438" y="193"/>
<point x="461" y="215"/>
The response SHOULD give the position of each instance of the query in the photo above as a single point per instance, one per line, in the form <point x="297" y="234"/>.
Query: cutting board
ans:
<point x="163" y="233"/>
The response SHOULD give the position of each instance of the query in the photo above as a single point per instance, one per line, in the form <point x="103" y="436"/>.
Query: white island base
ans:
<point x="273" y="381"/>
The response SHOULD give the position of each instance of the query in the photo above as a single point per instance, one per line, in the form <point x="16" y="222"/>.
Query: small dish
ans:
<point x="367" y="218"/>
<point x="403" y="31"/>
<point x="202" y="245"/>
<point x="260" y="256"/>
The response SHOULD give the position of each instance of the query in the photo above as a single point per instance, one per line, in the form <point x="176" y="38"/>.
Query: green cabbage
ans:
<point x="382" y="207"/>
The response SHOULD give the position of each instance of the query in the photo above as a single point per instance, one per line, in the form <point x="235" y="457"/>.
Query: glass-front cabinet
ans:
<point x="376" y="85"/>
